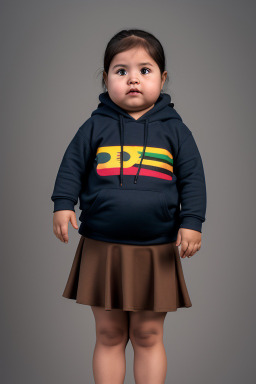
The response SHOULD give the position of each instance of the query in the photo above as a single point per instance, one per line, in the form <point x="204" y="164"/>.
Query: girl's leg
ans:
<point x="112" y="336"/>
<point x="146" y="335"/>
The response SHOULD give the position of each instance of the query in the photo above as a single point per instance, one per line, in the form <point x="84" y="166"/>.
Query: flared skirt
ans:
<point x="127" y="277"/>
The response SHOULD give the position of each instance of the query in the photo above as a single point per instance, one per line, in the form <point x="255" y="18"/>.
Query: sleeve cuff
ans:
<point x="63" y="204"/>
<point x="190" y="222"/>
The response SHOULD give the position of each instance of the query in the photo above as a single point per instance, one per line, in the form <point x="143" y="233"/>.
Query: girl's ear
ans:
<point x="164" y="75"/>
<point x="105" y="77"/>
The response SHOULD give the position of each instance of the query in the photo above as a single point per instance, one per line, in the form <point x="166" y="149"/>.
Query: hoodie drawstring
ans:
<point x="122" y="150"/>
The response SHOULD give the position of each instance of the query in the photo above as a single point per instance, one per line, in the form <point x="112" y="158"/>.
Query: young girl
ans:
<point x="132" y="164"/>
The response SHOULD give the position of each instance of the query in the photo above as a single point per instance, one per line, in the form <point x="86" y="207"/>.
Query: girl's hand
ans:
<point x="190" y="241"/>
<point x="60" y="224"/>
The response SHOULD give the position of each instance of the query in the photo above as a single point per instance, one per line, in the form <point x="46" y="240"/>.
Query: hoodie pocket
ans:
<point x="128" y="214"/>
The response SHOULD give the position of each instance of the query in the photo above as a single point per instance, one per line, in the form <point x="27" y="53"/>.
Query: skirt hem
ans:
<point x="158" y="309"/>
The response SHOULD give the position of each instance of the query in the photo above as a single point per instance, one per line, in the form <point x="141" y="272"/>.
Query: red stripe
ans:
<point x="133" y="171"/>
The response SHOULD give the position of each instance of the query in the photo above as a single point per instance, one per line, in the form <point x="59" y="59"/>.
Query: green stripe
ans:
<point x="158" y="156"/>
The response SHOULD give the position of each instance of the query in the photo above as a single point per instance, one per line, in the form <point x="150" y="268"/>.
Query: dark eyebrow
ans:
<point x="127" y="66"/>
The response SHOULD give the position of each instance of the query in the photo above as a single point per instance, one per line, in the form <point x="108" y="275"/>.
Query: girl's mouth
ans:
<point x="134" y="93"/>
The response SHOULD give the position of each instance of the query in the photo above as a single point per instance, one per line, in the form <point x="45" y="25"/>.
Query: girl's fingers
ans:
<point x="64" y="233"/>
<point x="61" y="232"/>
<point x="59" y="235"/>
<point x="188" y="250"/>
<point x="183" y="248"/>
<point x="194" y="250"/>
<point x="55" y="232"/>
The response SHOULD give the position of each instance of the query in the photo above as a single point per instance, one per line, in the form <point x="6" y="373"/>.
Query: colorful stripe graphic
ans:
<point x="157" y="162"/>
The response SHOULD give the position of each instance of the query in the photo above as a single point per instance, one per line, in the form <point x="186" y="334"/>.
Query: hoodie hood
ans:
<point x="162" y="110"/>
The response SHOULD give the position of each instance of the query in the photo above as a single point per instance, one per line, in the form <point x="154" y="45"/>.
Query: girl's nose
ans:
<point x="133" y="81"/>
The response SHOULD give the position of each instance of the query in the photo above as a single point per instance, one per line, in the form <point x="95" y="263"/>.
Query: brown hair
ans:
<point x="128" y="39"/>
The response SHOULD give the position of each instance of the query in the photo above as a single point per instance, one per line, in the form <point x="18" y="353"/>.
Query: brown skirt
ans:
<point x="127" y="277"/>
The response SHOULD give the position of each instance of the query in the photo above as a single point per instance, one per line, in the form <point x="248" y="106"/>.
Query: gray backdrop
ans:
<point x="50" y="56"/>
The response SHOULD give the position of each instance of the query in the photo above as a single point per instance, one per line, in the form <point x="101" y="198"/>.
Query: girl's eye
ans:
<point x="120" y="70"/>
<point x="146" y="69"/>
<point x="124" y="69"/>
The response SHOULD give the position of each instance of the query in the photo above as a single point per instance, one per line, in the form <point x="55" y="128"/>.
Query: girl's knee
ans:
<point x="146" y="328"/>
<point x="146" y="337"/>
<point x="111" y="326"/>
<point x="112" y="336"/>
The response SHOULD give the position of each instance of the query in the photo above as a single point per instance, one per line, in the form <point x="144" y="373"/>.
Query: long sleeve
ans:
<point x="71" y="172"/>
<point x="191" y="185"/>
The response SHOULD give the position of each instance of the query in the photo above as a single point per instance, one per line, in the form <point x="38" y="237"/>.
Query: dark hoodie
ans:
<point x="131" y="176"/>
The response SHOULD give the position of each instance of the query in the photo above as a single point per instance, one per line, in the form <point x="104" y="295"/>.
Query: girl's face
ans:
<point x="134" y="69"/>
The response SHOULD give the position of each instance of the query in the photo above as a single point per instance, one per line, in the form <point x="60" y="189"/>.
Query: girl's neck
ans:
<point x="137" y="115"/>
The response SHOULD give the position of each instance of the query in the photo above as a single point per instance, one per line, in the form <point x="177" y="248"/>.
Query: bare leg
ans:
<point x="112" y="336"/>
<point x="146" y="335"/>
